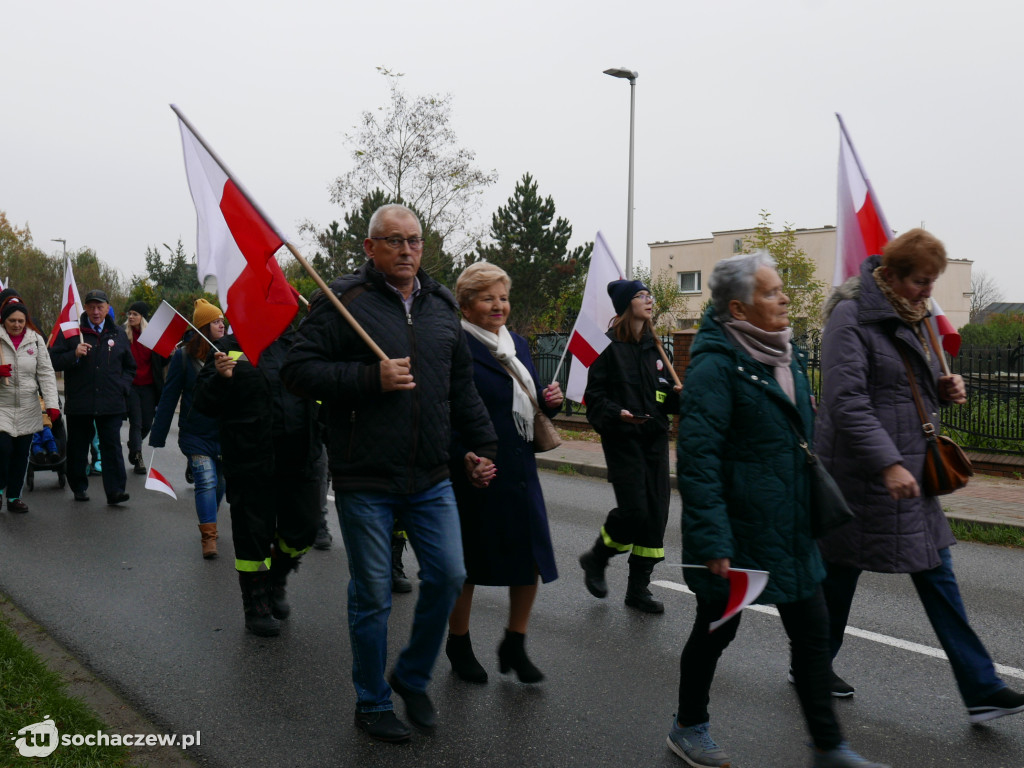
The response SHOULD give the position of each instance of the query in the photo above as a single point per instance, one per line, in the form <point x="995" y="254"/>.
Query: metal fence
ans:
<point x="992" y="419"/>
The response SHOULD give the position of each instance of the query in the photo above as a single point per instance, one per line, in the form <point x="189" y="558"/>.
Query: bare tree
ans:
<point x="984" y="291"/>
<point x="410" y="152"/>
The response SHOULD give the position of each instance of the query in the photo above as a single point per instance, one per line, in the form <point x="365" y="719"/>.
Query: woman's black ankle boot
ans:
<point x="464" y="664"/>
<point x="512" y="655"/>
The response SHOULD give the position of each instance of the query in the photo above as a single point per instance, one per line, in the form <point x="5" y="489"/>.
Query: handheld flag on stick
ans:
<point x="71" y="308"/>
<point x="862" y="229"/>
<point x="745" y="586"/>
<point x="587" y="340"/>
<point x="156" y="481"/>
<point x="236" y="243"/>
<point x="164" y="330"/>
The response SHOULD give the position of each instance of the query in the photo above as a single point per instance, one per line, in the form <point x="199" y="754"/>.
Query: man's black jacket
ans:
<point x="99" y="383"/>
<point x="394" y="442"/>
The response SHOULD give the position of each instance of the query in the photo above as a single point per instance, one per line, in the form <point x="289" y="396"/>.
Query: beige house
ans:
<point x="690" y="263"/>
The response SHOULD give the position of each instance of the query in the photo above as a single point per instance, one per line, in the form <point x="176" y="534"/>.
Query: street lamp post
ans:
<point x="63" y="242"/>
<point x="631" y="76"/>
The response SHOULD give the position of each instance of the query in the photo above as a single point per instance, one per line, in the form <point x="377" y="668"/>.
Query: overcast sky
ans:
<point x="735" y="106"/>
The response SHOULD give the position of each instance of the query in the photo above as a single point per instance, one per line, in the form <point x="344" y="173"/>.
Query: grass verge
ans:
<point x="31" y="693"/>
<point x="1001" y="535"/>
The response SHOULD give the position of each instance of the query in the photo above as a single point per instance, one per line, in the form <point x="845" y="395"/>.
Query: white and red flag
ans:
<point x="744" y="588"/>
<point x="70" y="309"/>
<point x="588" y="339"/>
<point x="236" y="242"/>
<point x="862" y="229"/>
<point x="164" y="330"/>
<point x="157" y="481"/>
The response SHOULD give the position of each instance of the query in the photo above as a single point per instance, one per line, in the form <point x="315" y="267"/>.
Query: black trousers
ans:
<point x="806" y="624"/>
<point x="638" y="471"/>
<point x="13" y="463"/>
<point x="264" y="510"/>
<point x="108" y="430"/>
<point x="141" y="407"/>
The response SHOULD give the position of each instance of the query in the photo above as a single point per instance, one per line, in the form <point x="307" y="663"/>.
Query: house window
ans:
<point x="689" y="282"/>
<point x="737" y="245"/>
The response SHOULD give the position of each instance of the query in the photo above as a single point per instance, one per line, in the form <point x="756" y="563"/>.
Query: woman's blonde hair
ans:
<point x="128" y="327"/>
<point x="476" y="277"/>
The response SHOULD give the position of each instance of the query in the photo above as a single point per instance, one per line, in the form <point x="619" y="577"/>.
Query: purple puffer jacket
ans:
<point x="867" y="421"/>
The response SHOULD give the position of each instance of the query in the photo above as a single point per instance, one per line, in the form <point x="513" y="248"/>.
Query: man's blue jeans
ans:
<point x="431" y="520"/>
<point x="940" y="595"/>
<point x="209" y="486"/>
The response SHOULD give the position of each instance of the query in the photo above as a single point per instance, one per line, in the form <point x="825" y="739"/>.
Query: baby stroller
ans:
<point x="46" y="463"/>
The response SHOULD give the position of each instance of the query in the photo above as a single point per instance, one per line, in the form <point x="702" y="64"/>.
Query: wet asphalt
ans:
<point x="126" y="591"/>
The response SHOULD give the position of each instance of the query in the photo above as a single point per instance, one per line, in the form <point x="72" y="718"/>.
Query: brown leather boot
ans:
<point x="209" y="533"/>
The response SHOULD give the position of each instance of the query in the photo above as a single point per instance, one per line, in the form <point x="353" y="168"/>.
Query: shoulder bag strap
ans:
<point x="926" y="426"/>
<point x="529" y="392"/>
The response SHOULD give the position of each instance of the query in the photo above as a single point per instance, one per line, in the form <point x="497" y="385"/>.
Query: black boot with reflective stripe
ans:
<point x="256" y="600"/>
<point x="281" y="565"/>
<point x="637" y="594"/>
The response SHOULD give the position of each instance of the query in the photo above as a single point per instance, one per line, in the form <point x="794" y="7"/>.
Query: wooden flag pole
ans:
<point x="336" y="302"/>
<point x="668" y="364"/>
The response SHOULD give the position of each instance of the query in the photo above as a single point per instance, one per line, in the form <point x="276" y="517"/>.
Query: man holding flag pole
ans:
<point x="98" y="371"/>
<point x="390" y="417"/>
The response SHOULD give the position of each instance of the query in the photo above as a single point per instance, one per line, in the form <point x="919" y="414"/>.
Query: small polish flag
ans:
<point x="744" y="588"/>
<point x="164" y="331"/>
<point x="745" y="585"/>
<point x="155" y="480"/>
<point x="71" y="308"/>
<point x="587" y="340"/>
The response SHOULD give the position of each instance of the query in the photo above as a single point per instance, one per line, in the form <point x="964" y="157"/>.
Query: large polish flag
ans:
<point x="862" y="229"/>
<point x="70" y="309"/>
<point x="587" y="340"/>
<point x="164" y="330"/>
<point x="235" y="244"/>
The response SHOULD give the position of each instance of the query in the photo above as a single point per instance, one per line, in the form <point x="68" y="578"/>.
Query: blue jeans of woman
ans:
<point x="13" y="463"/>
<point x="431" y="520"/>
<point x="209" y="486"/>
<point x="806" y="624"/>
<point x="940" y="595"/>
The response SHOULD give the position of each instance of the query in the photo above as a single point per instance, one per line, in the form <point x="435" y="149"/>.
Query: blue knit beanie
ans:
<point x="623" y="291"/>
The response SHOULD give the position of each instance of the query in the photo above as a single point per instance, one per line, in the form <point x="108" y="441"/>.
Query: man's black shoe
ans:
<point x="383" y="726"/>
<point x="81" y="496"/>
<point x="117" y="498"/>
<point x="418" y="708"/>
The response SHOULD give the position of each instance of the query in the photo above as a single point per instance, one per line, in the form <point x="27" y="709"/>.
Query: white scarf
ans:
<point x="503" y="348"/>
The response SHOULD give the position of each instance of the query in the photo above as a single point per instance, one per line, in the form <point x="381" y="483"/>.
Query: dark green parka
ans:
<point x="742" y="474"/>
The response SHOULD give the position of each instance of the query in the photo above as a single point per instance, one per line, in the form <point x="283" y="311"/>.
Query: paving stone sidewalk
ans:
<point x="989" y="500"/>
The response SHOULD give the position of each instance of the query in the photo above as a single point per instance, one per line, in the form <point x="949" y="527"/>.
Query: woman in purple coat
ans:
<point x="505" y="534"/>
<point x="869" y="436"/>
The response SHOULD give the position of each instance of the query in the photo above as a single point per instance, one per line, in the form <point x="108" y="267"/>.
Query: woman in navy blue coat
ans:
<point x="505" y="534"/>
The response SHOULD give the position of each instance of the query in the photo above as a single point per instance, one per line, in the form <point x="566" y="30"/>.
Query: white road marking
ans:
<point x="895" y="642"/>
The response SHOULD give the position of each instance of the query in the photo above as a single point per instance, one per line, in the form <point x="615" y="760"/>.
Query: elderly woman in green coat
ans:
<point x="744" y="481"/>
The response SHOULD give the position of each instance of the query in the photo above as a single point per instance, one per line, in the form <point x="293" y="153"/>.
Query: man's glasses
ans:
<point x="394" y="241"/>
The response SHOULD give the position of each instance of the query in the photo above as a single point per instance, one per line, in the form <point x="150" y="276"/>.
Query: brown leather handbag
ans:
<point x="946" y="466"/>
